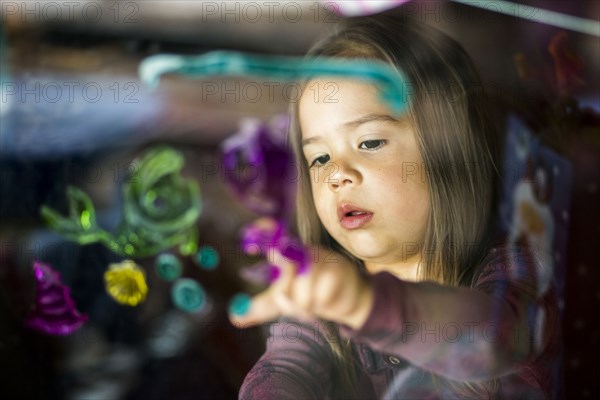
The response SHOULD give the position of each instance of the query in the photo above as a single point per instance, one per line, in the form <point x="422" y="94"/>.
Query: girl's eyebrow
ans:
<point x="369" y="118"/>
<point x="356" y="123"/>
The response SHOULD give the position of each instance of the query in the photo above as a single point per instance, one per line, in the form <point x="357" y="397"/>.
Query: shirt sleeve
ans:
<point x="296" y="365"/>
<point x="463" y="333"/>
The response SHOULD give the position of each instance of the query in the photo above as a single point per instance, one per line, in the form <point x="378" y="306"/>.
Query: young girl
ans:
<point x="409" y="296"/>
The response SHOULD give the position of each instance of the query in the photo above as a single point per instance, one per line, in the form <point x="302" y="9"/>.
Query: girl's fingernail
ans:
<point x="240" y="304"/>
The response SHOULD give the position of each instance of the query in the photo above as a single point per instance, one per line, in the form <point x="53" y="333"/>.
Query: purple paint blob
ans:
<point x="259" y="166"/>
<point x="261" y="274"/>
<point x="54" y="312"/>
<point x="259" y="169"/>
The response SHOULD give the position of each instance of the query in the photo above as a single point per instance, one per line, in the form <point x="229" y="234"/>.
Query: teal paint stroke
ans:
<point x="394" y="87"/>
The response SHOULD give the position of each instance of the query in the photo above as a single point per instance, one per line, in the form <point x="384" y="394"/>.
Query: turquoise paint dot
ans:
<point x="168" y="267"/>
<point x="188" y="295"/>
<point x="240" y="304"/>
<point x="207" y="257"/>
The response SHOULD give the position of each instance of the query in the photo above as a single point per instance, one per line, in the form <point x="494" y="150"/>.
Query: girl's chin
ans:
<point x="364" y="252"/>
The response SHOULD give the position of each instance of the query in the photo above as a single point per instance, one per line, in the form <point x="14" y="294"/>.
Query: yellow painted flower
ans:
<point x="126" y="283"/>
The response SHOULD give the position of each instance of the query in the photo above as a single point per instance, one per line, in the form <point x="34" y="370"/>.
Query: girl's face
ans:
<point x="368" y="182"/>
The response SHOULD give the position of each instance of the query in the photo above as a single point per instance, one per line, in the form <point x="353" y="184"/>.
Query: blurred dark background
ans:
<point x="74" y="112"/>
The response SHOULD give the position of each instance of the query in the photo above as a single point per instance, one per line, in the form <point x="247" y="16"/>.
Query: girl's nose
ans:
<point x="341" y="175"/>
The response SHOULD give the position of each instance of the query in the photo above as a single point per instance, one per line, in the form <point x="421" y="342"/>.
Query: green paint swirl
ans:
<point x="160" y="210"/>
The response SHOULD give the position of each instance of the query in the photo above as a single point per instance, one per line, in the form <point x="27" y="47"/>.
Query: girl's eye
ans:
<point x="372" y="144"/>
<point x="319" y="161"/>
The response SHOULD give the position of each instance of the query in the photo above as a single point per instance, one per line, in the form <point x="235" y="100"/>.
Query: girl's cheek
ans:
<point x="319" y="199"/>
<point x="316" y="193"/>
<point x="318" y="185"/>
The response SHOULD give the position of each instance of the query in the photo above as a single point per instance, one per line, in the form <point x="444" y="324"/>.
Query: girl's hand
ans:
<point x="331" y="289"/>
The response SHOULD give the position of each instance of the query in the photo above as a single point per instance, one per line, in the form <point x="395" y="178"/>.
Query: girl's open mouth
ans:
<point x="353" y="217"/>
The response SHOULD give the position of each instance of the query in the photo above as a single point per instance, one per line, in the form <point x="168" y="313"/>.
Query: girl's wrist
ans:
<point x="364" y="302"/>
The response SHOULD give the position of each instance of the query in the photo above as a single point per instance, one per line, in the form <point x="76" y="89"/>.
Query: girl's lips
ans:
<point x="353" y="217"/>
<point x="356" y="221"/>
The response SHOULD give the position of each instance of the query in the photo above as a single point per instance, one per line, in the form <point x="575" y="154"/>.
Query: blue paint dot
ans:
<point x="168" y="267"/>
<point x="207" y="257"/>
<point x="240" y="304"/>
<point x="188" y="295"/>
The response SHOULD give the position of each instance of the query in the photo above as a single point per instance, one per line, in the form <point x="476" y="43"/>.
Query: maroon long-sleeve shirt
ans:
<point x="421" y="336"/>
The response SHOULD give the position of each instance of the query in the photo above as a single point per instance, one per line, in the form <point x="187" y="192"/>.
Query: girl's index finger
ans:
<point x="263" y="308"/>
<point x="266" y="305"/>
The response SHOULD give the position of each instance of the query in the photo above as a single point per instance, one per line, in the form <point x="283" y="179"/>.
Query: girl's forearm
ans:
<point x="459" y="333"/>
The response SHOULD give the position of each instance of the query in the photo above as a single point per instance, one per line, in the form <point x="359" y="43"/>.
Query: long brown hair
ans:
<point x="455" y="137"/>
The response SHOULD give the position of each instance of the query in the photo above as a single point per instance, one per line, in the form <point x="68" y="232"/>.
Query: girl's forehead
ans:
<point x="334" y="92"/>
<point x="339" y="85"/>
<point x="335" y="100"/>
